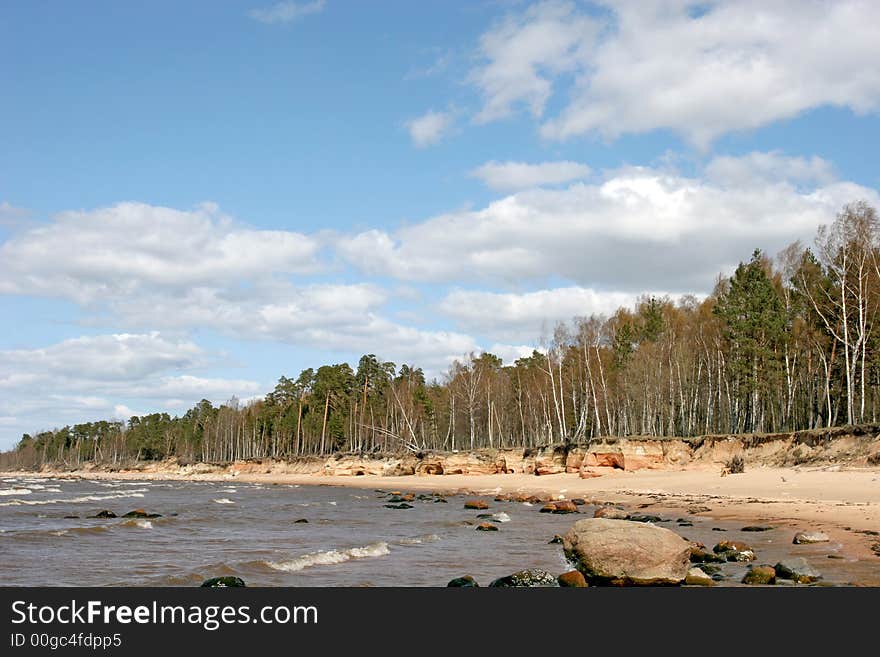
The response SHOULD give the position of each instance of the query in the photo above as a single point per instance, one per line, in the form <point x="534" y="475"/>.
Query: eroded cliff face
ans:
<point x="851" y="446"/>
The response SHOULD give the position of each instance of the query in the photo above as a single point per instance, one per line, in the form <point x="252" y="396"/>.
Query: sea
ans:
<point x="350" y="538"/>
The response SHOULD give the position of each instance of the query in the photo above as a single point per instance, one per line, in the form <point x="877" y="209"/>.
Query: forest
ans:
<point x="785" y="343"/>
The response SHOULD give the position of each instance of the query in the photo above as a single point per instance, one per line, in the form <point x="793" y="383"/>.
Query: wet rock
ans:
<point x="644" y="517"/>
<point x="611" y="551"/>
<point x="611" y="513"/>
<point x="71" y="517"/>
<point x="484" y="515"/>
<point x="718" y="529"/>
<point x="560" y="506"/>
<point x="578" y="501"/>
<point x="756" y="528"/>
<point x="810" y="537"/>
<point x="140" y="513"/>
<point x="697" y="577"/>
<point x="572" y="579"/>
<point x="486" y="527"/>
<point x="556" y="539"/>
<point x="798" y="570"/>
<point x="441" y="500"/>
<point x="699" y="555"/>
<point x="714" y="571"/>
<point x="476" y="504"/>
<point x="104" y="514"/>
<point x="735" y="551"/>
<point x="531" y="578"/>
<point x="402" y="505"/>
<point x="463" y="582"/>
<point x="301" y="521"/>
<point x="760" y="575"/>
<point x="223" y="582"/>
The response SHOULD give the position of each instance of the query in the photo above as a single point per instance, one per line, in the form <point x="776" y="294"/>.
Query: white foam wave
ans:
<point x="224" y="500"/>
<point x="501" y="517"/>
<point x="143" y="524"/>
<point x="418" y="540"/>
<point x="331" y="557"/>
<point x="71" y="500"/>
<point x="527" y="504"/>
<point x="17" y="491"/>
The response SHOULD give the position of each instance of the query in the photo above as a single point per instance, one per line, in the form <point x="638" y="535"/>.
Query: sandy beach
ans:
<point x="843" y="503"/>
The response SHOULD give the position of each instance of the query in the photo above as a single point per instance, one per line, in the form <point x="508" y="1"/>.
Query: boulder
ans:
<point x="610" y="551"/>
<point x="588" y="473"/>
<point x="531" y="578"/>
<point x="104" y="514"/>
<point x="463" y="582"/>
<point x="486" y="527"/>
<point x="798" y="570"/>
<point x="560" y="506"/>
<point x="604" y="460"/>
<point x="611" y="513"/>
<point x="140" y="513"/>
<point x="572" y="579"/>
<point x="476" y="504"/>
<point x="759" y="575"/>
<point x="810" y="537"/>
<point x="697" y="577"/>
<point x="223" y="582"/>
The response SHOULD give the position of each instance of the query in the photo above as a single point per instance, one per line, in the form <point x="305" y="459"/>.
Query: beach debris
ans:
<point x="530" y="578"/>
<point x="798" y="570"/>
<point x="802" y="538"/>
<point x="572" y="579"/>
<point x="223" y="582"/>
<point x="696" y="576"/>
<point x="760" y="575"/>
<point x="619" y="552"/>
<point x="465" y="581"/>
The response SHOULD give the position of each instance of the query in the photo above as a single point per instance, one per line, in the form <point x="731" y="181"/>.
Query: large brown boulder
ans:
<point x="624" y="553"/>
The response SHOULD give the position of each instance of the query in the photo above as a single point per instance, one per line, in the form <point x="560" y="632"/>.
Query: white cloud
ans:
<point x="430" y="128"/>
<point x="756" y="169"/>
<point x="527" y="316"/>
<point x="511" y="176"/>
<point x="522" y="53"/>
<point x="697" y="69"/>
<point x="638" y="229"/>
<point x="122" y="250"/>
<point x="287" y="12"/>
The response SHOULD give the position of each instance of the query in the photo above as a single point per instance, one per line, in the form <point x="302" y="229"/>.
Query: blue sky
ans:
<point x="198" y="197"/>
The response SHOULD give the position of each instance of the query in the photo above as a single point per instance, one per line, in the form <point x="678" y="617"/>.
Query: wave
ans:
<point x="331" y="557"/>
<point x="224" y="500"/>
<point x="501" y="517"/>
<point x="17" y="491"/>
<point x="139" y="522"/>
<point x="419" y="540"/>
<point x="72" y="500"/>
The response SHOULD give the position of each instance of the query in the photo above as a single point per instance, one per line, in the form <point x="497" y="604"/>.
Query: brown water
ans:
<point x="213" y="528"/>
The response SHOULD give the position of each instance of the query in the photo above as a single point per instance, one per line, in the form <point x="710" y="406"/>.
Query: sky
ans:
<point x="197" y="198"/>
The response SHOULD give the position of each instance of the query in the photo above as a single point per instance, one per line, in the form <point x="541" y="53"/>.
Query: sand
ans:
<point x="842" y="502"/>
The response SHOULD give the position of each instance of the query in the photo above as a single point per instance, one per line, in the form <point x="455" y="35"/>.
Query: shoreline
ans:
<point x="843" y="503"/>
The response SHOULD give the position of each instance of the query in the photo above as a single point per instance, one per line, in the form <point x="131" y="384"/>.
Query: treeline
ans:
<point x="783" y="344"/>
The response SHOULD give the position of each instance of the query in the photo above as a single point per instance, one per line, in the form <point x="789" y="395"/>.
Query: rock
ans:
<point x="756" y="528"/>
<point x="402" y="505"/>
<point x="685" y="523"/>
<point x="301" y="521"/>
<point x="798" y="570"/>
<point x="223" y="582"/>
<point x="577" y="501"/>
<point x="486" y="527"/>
<point x="698" y="509"/>
<point x="71" y="517"/>
<point x="560" y="506"/>
<point x="643" y="517"/>
<point x="140" y="513"/>
<point x="620" y="552"/>
<point x="588" y="473"/>
<point x="699" y="555"/>
<point x="556" y="539"/>
<point x="441" y="500"/>
<point x="697" y="577"/>
<point x="810" y="537"/>
<point x="572" y="579"/>
<point x="409" y="497"/>
<point x="104" y="514"/>
<point x="531" y="578"/>
<point x="735" y="551"/>
<point x="463" y="582"/>
<point x="604" y="460"/>
<point x="714" y="571"/>
<point x="759" y="575"/>
<point x="476" y="504"/>
<point x="718" y="529"/>
<point x="483" y="516"/>
<point x="611" y="513"/>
